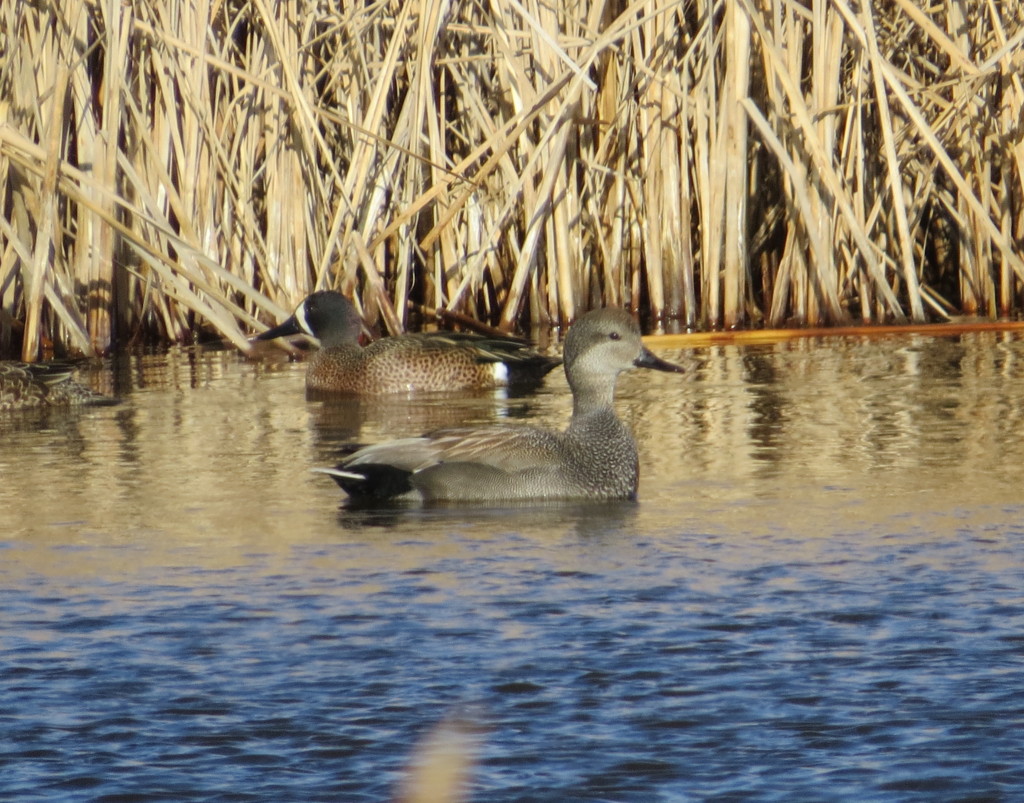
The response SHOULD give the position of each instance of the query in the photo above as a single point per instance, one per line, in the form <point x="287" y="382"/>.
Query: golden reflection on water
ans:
<point x="207" y="460"/>
<point x="887" y="426"/>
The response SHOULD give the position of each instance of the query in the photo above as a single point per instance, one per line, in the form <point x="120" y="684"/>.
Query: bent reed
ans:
<point x="174" y="168"/>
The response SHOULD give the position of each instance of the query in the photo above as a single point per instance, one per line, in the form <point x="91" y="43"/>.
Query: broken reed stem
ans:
<point x="170" y="169"/>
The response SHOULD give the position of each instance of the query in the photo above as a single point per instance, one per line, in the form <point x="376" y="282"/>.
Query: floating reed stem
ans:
<point x="171" y="170"/>
<point x="764" y="336"/>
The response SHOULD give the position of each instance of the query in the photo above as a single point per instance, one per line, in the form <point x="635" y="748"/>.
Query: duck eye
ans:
<point x="615" y="336"/>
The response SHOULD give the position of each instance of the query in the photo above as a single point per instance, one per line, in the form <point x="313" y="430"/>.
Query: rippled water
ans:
<point x="819" y="596"/>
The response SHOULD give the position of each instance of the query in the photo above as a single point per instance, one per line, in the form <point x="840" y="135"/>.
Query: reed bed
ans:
<point x="180" y="168"/>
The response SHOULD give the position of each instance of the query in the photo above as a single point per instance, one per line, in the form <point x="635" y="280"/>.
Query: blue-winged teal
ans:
<point x="424" y="361"/>
<point x="27" y="385"/>
<point x="595" y="458"/>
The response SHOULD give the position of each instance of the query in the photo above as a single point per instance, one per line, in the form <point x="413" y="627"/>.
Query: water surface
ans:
<point x="818" y="596"/>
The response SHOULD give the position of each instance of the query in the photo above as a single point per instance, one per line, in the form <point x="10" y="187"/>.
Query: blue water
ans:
<point x="820" y="595"/>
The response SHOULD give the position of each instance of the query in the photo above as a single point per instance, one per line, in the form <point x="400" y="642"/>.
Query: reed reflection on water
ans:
<point x="819" y="589"/>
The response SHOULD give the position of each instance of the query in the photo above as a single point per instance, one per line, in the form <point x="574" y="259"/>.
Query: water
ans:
<point x="818" y="596"/>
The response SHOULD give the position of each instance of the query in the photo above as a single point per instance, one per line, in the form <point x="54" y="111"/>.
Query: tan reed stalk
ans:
<point x="895" y="184"/>
<point x="559" y="195"/>
<point x="660" y="193"/>
<point x="801" y="282"/>
<point x="853" y="155"/>
<point x="92" y="258"/>
<point x="972" y="279"/>
<point x="1010" y="113"/>
<point x="790" y="272"/>
<point x="826" y="58"/>
<point x="47" y="236"/>
<point x="1010" y="110"/>
<point x="709" y="164"/>
<point x="734" y="124"/>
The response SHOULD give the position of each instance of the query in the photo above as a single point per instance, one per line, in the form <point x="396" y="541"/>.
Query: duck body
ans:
<point x="417" y="362"/>
<point x="425" y="362"/>
<point x="26" y="386"/>
<point x="595" y="458"/>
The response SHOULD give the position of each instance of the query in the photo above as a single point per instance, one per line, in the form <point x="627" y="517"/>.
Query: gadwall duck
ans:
<point x="594" y="459"/>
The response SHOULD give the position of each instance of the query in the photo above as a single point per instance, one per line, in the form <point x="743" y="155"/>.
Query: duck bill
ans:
<point x="289" y="327"/>
<point x="648" y="359"/>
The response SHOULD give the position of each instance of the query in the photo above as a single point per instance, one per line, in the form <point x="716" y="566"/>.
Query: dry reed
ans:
<point x="171" y="167"/>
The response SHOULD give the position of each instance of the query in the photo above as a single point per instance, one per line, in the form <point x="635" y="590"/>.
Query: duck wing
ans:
<point x="483" y="349"/>
<point x="46" y="374"/>
<point x="506" y="448"/>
